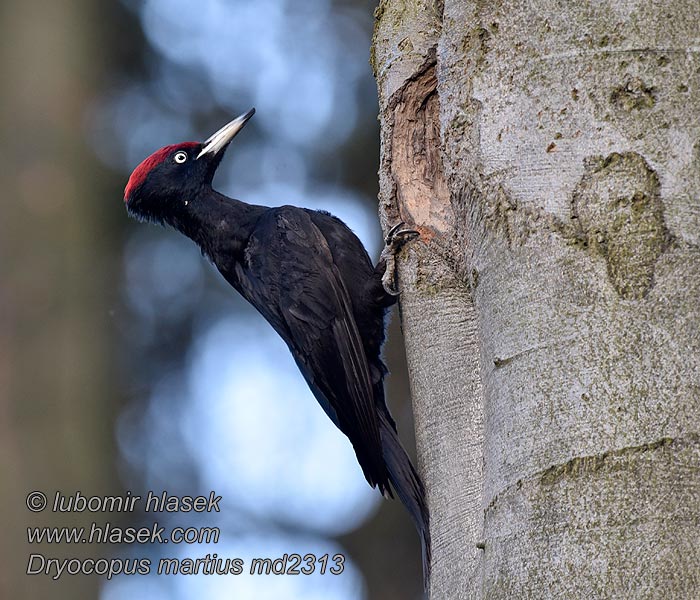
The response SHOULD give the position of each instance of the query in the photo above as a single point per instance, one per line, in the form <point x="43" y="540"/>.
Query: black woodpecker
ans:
<point x="312" y="279"/>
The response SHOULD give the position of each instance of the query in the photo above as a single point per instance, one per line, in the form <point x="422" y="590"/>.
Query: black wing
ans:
<point x="290" y="277"/>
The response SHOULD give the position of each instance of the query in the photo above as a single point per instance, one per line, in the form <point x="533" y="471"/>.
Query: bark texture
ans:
<point x="550" y="157"/>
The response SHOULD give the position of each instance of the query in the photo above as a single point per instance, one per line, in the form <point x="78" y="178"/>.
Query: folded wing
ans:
<point x="309" y="306"/>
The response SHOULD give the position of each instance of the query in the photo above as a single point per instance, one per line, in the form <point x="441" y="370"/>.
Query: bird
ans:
<point x="311" y="278"/>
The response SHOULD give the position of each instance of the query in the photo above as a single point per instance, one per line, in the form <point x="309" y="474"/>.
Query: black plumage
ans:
<point x="308" y="274"/>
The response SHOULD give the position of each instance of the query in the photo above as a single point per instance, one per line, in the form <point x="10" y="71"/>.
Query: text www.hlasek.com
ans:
<point x="110" y="534"/>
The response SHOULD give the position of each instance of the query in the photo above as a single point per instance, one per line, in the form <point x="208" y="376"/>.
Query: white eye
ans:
<point x="180" y="157"/>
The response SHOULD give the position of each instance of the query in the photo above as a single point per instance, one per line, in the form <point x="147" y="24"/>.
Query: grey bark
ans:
<point x="550" y="157"/>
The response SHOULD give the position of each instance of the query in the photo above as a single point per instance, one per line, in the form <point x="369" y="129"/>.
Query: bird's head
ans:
<point x="175" y="174"/>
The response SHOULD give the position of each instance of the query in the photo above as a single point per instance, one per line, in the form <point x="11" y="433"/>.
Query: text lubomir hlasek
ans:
<point x="163" y="502"/>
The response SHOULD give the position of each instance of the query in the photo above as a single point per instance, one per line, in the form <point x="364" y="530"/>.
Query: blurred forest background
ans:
<point x="126" y="363"/>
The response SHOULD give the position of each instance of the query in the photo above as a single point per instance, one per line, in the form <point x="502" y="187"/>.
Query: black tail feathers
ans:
<point x="408" y="487"/>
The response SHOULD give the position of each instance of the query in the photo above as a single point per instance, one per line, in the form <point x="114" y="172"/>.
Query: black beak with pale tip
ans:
<point x="219" y="141"/>
<point x="213" y="148"/>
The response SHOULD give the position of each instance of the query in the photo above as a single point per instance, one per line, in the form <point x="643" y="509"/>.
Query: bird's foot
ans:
<point x="394" y="241"/>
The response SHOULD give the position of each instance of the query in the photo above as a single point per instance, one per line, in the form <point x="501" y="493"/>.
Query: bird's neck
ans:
<point x="219" y="225"/>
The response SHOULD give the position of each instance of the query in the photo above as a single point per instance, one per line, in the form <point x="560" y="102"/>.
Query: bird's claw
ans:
<point x="395" y="239"/>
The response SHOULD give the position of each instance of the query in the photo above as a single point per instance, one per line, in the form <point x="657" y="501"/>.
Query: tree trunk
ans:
<point x="550" y="157"/>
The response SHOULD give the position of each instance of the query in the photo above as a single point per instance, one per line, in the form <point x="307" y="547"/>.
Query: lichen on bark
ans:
<point x="619" y="215"/>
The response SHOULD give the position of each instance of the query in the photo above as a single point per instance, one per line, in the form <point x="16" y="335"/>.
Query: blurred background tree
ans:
<point x="125" y="363"/>
<point x="59" y="275"/>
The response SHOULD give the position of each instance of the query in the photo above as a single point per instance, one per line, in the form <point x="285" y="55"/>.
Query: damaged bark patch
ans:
<point x="618" y="214"/>
<point x="420" y="188"/>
